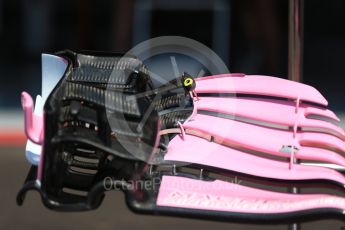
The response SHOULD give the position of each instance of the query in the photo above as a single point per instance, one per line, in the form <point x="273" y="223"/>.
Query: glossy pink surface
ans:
<point x="271" y="111"/>
<point x="200" y="151"/>
<point x="259" y="85"/>
<point x="264" y="139"/>
<point x="33" y="123"/>
<point x="240" y="128"/>
<point x="218" y="195"/>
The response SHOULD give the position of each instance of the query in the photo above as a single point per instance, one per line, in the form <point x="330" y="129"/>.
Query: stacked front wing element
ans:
<point x="263" y="128"/>
<point x="227" y="146"/>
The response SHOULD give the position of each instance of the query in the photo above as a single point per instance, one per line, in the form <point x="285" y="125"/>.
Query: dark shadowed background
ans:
<point x="249" y="35"/>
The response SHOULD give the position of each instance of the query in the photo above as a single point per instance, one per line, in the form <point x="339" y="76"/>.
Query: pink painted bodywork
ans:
<point x="33" y="123"/>
<point x="224" y="196"/>
<point x="266" y="140"/>
<point x="34" y="127"/>
<point x="272" y="111"/>
<point x="259" y="85"/>
<point x="241" y="133"/>
<point x="200" y="151"/>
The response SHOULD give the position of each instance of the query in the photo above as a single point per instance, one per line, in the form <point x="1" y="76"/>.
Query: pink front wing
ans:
<point x="195" y="150"/>
<point x="238" y="133"/>
<point x="32" y="122"/>
<point x="272" y="111"/>
<point x="259" y="85"/>
<point x="224" y="196"/>
<point x="266" y="140"/>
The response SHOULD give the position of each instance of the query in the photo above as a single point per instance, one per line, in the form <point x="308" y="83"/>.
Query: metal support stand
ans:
<point x="295" y="40"/>
<point x="295" y="54"/>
